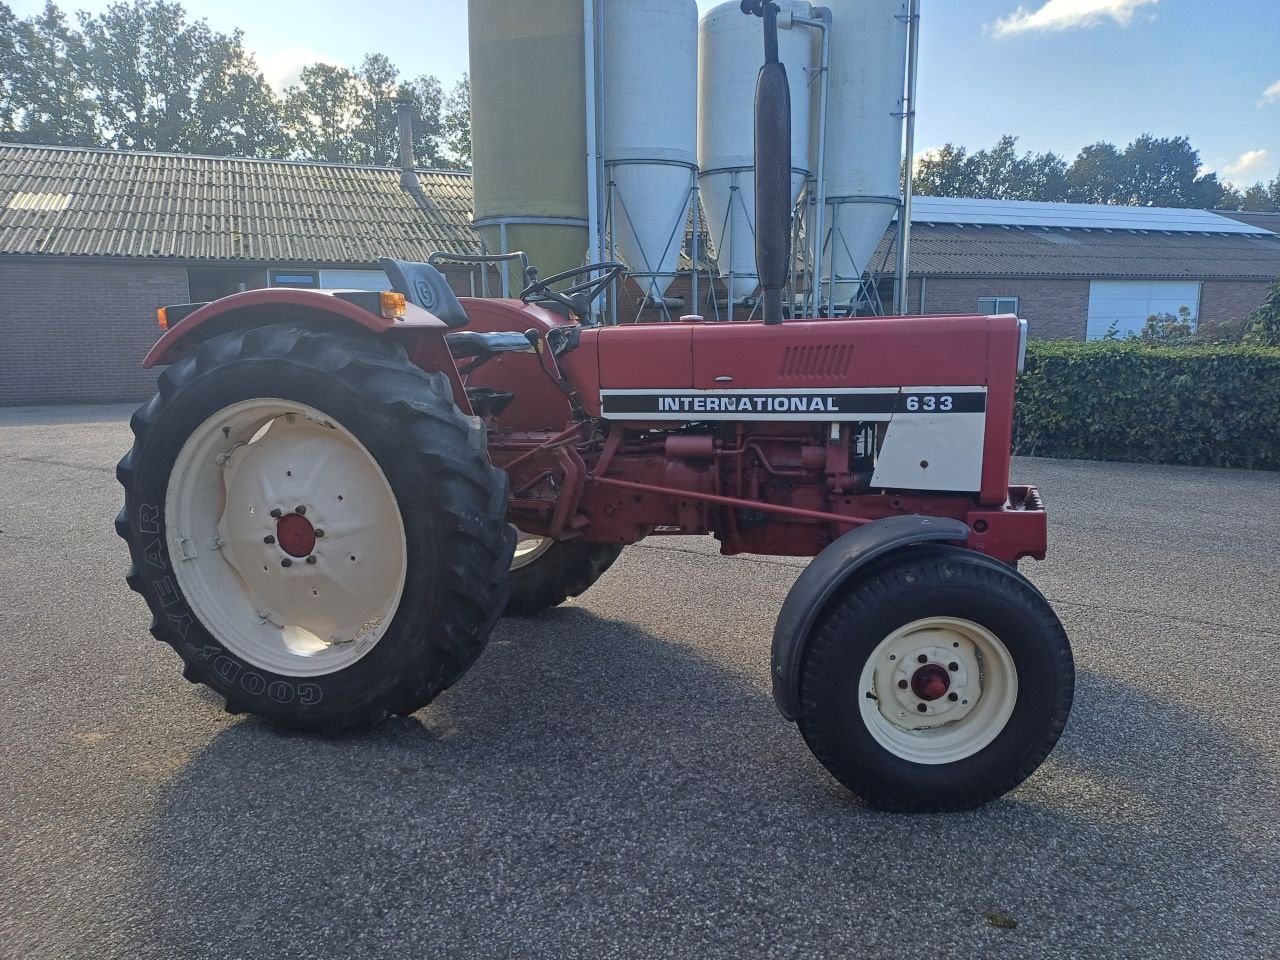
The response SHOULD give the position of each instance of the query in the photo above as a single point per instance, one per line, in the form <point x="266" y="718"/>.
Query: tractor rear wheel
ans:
<point x="937" y="682"/>
<point x="545" y="573"/>
<point x="316" y="527"/>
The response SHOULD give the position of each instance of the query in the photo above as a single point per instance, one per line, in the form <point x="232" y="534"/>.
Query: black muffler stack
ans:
<point x="773" y="165"/>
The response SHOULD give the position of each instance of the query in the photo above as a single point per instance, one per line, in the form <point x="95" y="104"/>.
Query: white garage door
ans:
<point x="354" y="280"/>
<point x="1128" y="304"/>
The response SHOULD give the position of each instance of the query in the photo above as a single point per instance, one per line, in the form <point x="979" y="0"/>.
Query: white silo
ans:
<point x="650" y="132"/>
<point x="730" y="52"/>
<point x="863" y="136"/>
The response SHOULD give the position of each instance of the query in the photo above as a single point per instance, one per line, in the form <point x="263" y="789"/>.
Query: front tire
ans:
<point x="545" y="573"/>
<point x="315" y="526"/>
<point x="937" y="682"/>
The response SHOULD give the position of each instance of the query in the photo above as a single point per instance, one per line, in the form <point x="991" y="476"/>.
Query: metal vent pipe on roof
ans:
<point x="404" y="124"/>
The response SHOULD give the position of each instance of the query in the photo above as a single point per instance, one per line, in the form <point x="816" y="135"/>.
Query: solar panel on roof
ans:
<point x="1087" y="216"/>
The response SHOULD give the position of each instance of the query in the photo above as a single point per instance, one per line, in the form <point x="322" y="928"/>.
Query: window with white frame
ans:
<point x="994" y="305"/>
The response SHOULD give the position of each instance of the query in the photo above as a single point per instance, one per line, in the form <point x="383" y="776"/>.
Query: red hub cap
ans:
<point x="296" y="535"/>
<point x="930" y="682"/>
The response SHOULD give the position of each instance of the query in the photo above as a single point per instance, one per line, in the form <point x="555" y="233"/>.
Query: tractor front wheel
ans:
<point x="316" y="527"/>
<point x="546" y="572"/>
<point x="937" y="682"/>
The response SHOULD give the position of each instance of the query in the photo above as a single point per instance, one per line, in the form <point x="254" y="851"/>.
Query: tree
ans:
<point x="427" y="97"/>
<point x="9" y="66"/>
<point x="1263" y="325"/>
<point x="322" y="113"/>
<point x="1256" y="197"/>
<point x="161" y="82"/>
<point x="945" y="172"/>
<point x="344" y="116"/>
<point x="1168" y="329"/>
<point x="1164" y="172"/>
<point x="1096" y="174"/>
<point x="236" y="111"/>
<point x="46" y="89"/>
<point x="456" y="120"/>
<point x="999" y="172"/>
<point x="1231" y="198"/>
<point x="142" y="76"/>
<point x="375" y="137"/>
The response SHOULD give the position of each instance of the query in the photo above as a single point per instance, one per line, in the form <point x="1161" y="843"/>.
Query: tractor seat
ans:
<point x="426" y="287"/>
<point x="469" y="343"/>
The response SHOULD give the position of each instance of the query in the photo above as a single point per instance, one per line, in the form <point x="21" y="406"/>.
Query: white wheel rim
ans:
<point x="529" y="547"/>
<point x="966" y="662"/>
<point x="247" y="575"/>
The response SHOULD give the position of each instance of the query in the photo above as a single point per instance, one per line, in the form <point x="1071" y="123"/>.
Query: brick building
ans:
<point x="1072" y="270"/>
<point x="92" y="241"/>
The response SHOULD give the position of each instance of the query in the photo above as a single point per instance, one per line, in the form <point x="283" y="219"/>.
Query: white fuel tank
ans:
<point x="650" y="132"/>
<point x="730" y="52"/>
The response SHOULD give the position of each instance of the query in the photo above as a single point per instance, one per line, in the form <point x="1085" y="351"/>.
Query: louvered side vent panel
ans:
<point x="816" y="362"/>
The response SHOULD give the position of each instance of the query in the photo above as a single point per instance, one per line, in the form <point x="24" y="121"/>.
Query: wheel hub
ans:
<point x="296" y="535"/>
<point x="930" y="682"/>
<point x="938" y="689"/>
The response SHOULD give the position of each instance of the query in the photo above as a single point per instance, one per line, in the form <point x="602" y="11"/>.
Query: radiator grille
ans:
<point x="816" y="362"/>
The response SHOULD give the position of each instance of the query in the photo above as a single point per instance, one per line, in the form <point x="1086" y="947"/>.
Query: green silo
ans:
<point x="528" y="129"/>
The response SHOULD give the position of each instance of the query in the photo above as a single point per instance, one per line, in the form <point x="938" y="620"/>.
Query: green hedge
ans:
<point x="1199" y="405"/>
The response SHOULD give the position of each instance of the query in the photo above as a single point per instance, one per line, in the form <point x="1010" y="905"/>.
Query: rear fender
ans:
<point x="421" y="331"/>
<point x="837" y="565"/>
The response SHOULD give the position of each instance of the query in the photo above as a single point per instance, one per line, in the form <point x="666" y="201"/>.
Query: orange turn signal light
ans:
<point x="391" y="305"/>
<point x="162" y="318"/>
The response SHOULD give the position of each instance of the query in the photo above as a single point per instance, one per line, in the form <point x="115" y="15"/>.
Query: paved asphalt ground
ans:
<point x="612" y="779"/>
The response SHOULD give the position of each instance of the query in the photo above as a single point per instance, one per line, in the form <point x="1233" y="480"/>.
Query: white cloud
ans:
<point x="1251" y="163"/>
<point x="1270" y="95"/>
<point x="1069" y="14"/>
<point x="282" y="67"/>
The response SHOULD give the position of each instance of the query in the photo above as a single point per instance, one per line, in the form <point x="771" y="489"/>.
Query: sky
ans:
<point x="1058" y="74"/>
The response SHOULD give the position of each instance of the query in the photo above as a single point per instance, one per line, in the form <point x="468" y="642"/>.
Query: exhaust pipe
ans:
<point x="773" y="165"/>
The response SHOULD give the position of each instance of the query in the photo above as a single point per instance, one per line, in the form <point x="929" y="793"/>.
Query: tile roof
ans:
<point x="956" y="250"/>
<point x="70" y="201"/>
<point x="63" y="201"/>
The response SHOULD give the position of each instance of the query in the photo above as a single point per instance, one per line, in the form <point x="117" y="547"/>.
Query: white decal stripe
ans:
<point x="852" y="404"/>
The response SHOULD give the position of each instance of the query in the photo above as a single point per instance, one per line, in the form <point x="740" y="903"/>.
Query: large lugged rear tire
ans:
<point x="938" y="681"/>
<point x="316" y="527"/>
<point x="545" y="574"/>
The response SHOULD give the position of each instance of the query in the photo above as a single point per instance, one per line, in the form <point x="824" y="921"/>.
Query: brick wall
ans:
<point x="1053" y="309"/>
<point x="77" y="332"/>
<point x="1222" y="300"/>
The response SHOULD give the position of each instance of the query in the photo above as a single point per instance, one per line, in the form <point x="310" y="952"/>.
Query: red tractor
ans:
<point x="334" y="496"/>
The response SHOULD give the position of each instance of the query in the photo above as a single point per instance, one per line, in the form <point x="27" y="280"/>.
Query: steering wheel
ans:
<point x="577" y="296"/>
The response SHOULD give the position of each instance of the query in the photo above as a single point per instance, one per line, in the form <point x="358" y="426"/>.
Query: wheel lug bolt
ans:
<point x="319" y="533"/>
<point x="902" y="684"/>
<point x="268" y="539"/>
<point x="299" y="509"/>
<point x="276" y="513"/>
<point x="311" y="559"/>
<point x="953" y="666"/>
<point x="922" y="658"/>
<point x="953" y="697"/>
<point x="922" y="708"/>
<point x="286" y="562"/>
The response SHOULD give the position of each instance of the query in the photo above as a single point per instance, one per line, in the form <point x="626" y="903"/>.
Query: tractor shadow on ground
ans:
<point x="591" y="790"/>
